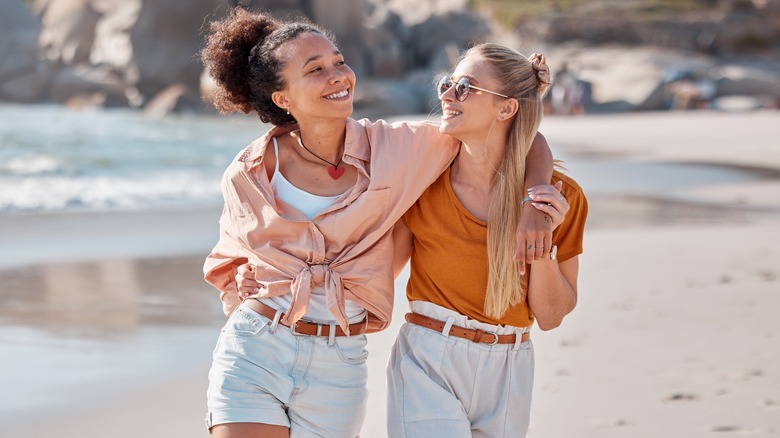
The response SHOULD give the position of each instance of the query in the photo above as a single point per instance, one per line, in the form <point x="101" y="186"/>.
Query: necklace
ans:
<point x="334" y="170"/>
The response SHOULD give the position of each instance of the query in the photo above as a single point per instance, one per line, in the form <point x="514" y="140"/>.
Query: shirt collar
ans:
<point x="355" y="143"/>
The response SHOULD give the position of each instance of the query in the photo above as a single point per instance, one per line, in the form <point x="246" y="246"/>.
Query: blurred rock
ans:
<point x="386" y="40"/>
<point x="68" y="30"/>
<point x="165" y="42"/>
<point x="82" y="80"/>
<point x="143" y="54"/>
<point x="94" y="100"/>
<point x="433" y="34"/>
<point x="345" y="19"/>
<point x="29" y="87"/>
<point x="729" y="28"/>
<point x="18" y="40"/>
<point x="743" y="103"/>
<point x="112" y="45"/>
<point x="175" y="99"/>
<point x="87" y="44"/>
<point x="376" y="98"/>
<point x="414" y="12"/>
<point x="736" y="80"/>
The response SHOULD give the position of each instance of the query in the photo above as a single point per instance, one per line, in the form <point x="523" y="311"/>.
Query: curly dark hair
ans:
<point x="240" y="55"/>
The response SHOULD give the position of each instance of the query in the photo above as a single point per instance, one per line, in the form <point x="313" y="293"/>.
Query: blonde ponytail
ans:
<point x="526" y="80"/>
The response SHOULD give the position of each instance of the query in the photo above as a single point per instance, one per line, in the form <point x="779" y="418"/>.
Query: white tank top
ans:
<point x="311" y="206"/>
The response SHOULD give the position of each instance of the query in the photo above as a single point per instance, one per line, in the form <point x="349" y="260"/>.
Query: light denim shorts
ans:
<point x="443" y="386"/>
<point x="262" y="373"/>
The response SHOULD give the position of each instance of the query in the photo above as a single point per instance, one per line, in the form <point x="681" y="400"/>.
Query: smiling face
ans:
<point x="479" y="111"/>
<point x="319" y="84"/>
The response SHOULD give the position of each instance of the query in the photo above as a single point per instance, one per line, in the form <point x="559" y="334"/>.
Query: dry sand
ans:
<point x="674" y="333"/>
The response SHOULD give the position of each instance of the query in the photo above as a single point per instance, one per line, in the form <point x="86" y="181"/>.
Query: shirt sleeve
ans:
<point x="409" y="156"/>
<point x="569" y="234"/>
<point x="228" y="254"/>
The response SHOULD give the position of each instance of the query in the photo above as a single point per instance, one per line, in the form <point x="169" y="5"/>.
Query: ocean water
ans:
<point x="56" y="159"/>
<point x="53" y="159"/>
<point x="88" y="312"/>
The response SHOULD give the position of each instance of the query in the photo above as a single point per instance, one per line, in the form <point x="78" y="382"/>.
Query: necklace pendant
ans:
<point x="335" y="172"/>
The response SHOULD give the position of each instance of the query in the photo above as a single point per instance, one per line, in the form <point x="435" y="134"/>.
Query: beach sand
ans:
<point x="674" y="333"/>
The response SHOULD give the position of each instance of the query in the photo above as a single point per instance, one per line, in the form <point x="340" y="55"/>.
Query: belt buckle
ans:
<point x="495" y="338"/>
<point x="294" y="332"/>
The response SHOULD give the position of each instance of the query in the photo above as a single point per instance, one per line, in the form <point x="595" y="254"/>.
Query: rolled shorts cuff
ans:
<point x="265" y="416"/>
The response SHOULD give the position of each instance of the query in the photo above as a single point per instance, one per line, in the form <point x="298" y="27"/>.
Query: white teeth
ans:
<point x="338" y="95"/>
<point x="452" y="113"/>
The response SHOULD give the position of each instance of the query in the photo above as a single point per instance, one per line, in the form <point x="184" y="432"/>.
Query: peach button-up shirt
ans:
<point x="347" y="249"/>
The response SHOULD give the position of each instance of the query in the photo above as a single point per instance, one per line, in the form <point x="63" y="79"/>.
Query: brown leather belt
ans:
<point x="474" y="335"/>
<point x="307" y="328"/>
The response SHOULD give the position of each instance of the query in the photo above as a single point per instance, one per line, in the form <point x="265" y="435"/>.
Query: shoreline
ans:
<point x="73" y="236"/>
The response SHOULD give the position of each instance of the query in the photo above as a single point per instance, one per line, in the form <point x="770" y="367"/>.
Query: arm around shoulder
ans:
<point x="538" y="163"/>
<point x="534" y="226"/>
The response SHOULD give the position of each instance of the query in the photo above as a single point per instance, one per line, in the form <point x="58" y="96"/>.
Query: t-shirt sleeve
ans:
<point x="569" y="234"/>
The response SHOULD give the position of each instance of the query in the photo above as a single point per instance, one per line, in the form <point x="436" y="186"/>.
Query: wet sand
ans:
<point x="107" y="328"/>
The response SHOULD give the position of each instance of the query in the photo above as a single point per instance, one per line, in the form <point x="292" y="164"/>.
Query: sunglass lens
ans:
<point x="462" y="89"/>
<point x="444" y="85"/>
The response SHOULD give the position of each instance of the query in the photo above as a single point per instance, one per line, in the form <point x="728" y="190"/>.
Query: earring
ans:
<point x="288" y="113"/>
<point x="500" y="118"/>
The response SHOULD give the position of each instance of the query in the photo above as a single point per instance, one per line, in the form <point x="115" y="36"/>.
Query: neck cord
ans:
<point x="300" y="142"/>
<point x="334" y="170"/>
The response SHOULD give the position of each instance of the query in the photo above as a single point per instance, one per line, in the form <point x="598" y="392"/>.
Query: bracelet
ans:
<point x="526" y="199"/>
<point x="553" y="253"/>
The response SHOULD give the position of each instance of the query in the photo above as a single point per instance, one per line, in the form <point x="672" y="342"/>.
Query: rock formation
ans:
<point x="143" y="54"/>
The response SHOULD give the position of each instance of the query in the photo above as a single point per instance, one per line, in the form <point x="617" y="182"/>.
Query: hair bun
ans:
<point x="539" y="62"/>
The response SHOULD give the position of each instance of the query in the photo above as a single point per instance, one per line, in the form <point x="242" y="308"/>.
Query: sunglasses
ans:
<point x="462" y="88"/>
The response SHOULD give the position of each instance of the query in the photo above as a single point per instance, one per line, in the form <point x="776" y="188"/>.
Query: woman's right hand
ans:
<point x="245" y="281"/>
<point x="548" y="199"/>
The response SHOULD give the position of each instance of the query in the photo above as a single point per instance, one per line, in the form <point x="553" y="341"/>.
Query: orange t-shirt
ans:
<point x="449" y="264"/>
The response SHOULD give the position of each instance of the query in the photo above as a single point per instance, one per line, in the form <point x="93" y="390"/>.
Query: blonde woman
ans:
<point x="462" y="365"/>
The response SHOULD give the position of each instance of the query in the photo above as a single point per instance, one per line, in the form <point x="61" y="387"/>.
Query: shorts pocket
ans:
<point x="352" y="349"/>
<point x="245" y="322"/>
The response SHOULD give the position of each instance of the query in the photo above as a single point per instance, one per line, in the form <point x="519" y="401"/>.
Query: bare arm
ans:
<point x="402" y="241"/>
<point x="552" y="287"/>
<point x="552" y="291"/>
<point x="533" y="238"/>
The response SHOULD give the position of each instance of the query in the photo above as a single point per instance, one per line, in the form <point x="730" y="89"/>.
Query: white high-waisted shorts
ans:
<point x="262" y="373"/>
<point x="444" y="386"/>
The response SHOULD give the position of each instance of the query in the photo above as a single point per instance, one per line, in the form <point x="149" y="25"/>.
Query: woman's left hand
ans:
<point x="548" y="199"/>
